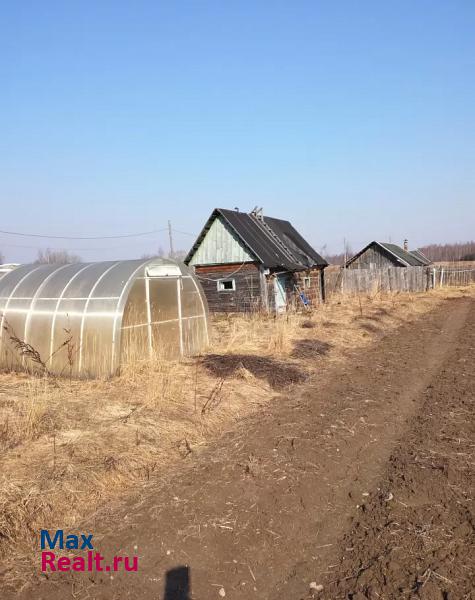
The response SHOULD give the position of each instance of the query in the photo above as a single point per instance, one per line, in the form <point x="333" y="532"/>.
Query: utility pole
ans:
<point x="170" y="236"/>
<point x="343" y="283"/>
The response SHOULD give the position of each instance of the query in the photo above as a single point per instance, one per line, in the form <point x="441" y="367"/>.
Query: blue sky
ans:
<point x="353" y="120"/>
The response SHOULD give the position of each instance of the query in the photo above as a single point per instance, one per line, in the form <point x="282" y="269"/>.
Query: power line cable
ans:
<point x="65" y="237"/>
<point x="90" y="249"/>
<point x="184" y="232"/>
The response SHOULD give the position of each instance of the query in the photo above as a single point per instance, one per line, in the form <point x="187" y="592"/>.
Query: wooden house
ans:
<point x="249" y="262"/>
<point x="377" y="255"/>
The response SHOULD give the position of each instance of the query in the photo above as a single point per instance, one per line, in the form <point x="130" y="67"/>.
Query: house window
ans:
<point x="306" y="282"/>
<point x="226" y="285"/>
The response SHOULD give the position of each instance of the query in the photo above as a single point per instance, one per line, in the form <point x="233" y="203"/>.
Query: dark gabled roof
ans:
<point x="259" y="241"/>
<point x="297" y="245"/>
<point x="421" y="257"/>
<point x="275" y="243"/>
<point x="395" y="252"/>
<point x="406" y="257"/>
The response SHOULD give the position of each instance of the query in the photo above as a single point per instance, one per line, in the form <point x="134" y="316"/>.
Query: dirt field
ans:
<point x="357" y="483"/>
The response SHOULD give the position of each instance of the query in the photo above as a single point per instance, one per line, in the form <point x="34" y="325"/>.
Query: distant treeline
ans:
<point x="335" y="259"/>
<point x="449" y="252"/>
<point x="435" y="252"/>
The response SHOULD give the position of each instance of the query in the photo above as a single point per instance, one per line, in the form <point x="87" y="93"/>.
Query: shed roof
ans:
<point x="398" y="255"/>
<point x="274" y="242"/>
<point x="420" y="256"/>
<point x="406" y="257"/>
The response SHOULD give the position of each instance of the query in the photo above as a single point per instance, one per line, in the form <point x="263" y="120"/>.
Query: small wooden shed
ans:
<point x="248" y="261"/>
<point x="377" y="255"/>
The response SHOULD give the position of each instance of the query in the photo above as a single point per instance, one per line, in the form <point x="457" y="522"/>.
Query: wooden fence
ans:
<point x="452" y="276"/>
<point x="395" y="279"/>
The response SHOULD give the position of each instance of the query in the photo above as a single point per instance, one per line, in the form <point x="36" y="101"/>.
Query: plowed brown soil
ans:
<point x="360" y="486"/>
<point x="414" y="535"/>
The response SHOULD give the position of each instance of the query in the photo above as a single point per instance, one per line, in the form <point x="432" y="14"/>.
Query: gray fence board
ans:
<point x="395" y="279"/>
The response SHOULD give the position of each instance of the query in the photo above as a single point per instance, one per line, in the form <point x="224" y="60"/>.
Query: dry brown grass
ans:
<point x="459" y="264"/>
<point x="68" y="448"/>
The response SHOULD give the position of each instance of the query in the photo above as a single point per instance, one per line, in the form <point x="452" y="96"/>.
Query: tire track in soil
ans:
<point x="260" y="512"/>
<point x="415" y="536"/>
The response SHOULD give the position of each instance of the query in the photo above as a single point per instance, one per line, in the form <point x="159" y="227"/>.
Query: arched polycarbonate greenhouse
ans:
<point x="87" y="319"/>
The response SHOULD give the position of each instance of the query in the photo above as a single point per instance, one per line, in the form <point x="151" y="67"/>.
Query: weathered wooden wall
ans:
<point x="248" y="293"/>
<point x="221" y="246"/>
<point x="313" y="291"/>
<point x="374" y="258"/>
<point x="395" y="279"/>
<point x="389" y="279"/>
<point x="254" y="291"/>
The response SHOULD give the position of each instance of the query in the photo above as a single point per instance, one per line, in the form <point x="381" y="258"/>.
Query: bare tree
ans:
<point x="339" y="259"/>
<point x="335" y="259"/>
<point x="59" y="257"/>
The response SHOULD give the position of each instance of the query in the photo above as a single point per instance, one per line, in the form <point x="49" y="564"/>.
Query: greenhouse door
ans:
<point x="165" y="316"/>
